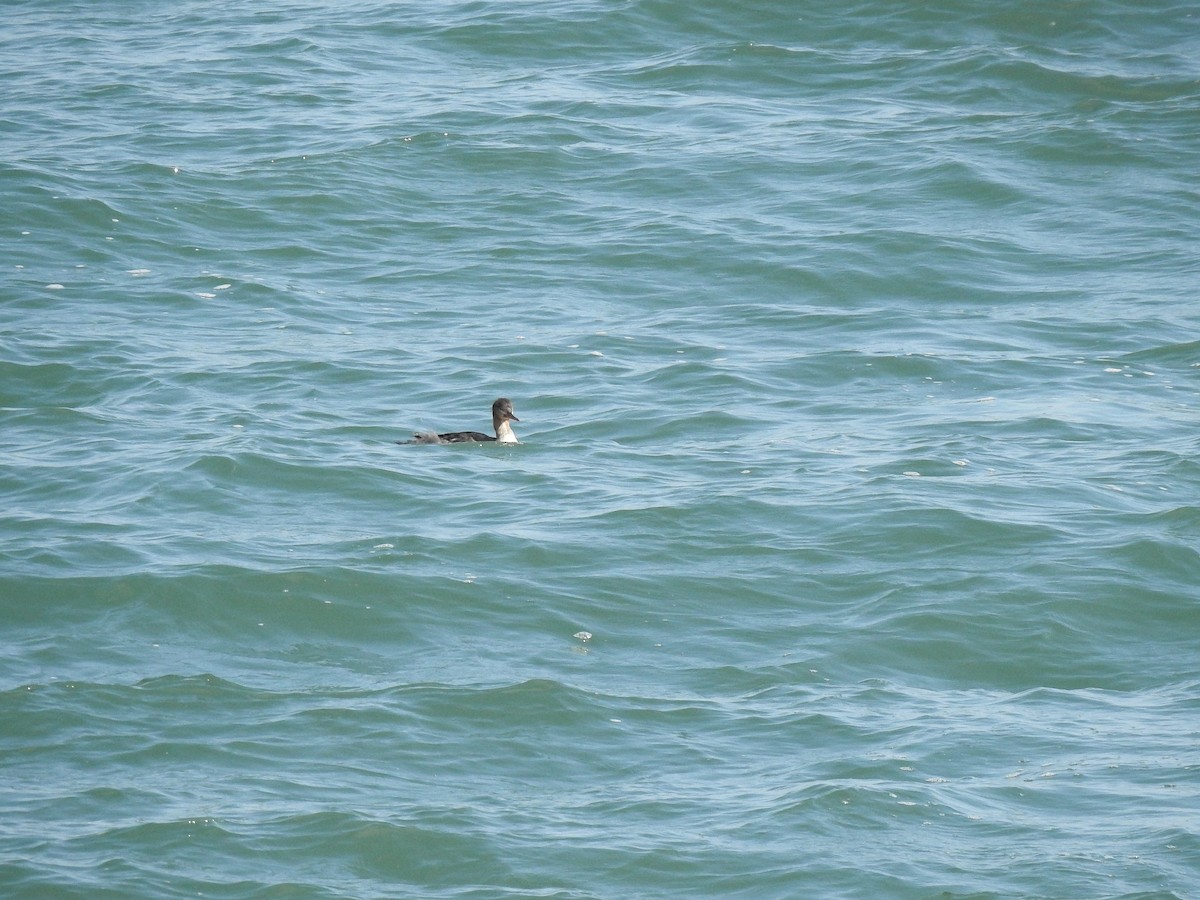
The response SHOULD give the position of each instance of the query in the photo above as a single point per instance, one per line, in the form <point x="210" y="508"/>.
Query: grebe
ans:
<point x="502" y="414"/>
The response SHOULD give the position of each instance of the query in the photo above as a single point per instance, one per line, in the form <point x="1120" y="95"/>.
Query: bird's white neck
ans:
<point x="504" y="433"/>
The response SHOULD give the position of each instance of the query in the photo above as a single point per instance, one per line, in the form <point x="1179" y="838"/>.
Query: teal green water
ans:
<point x="852" y="545"/>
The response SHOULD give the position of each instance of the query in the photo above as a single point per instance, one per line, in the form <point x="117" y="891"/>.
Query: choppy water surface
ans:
<point x="852" y="547"/>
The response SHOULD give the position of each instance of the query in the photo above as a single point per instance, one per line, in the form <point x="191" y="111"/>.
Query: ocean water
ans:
<point x="852" y="545"/>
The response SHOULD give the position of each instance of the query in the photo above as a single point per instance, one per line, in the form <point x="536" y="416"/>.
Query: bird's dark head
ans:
<point x="502" y="411"/>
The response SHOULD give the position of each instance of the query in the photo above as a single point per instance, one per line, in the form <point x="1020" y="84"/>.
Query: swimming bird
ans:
<point x="502" y="414"/>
